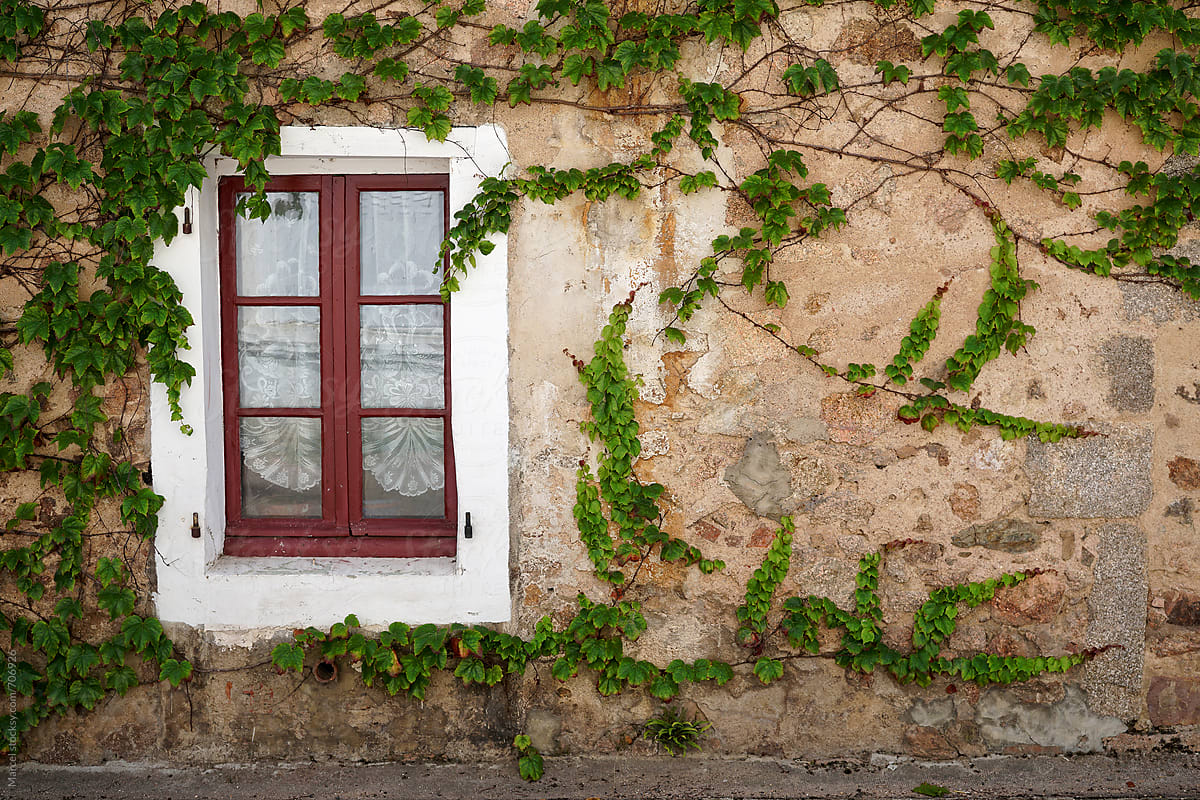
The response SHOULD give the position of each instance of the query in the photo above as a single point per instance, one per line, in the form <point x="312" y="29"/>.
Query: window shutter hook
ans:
<point x="467" y="532"/>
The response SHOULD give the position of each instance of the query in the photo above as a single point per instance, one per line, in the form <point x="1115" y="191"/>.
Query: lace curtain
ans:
<point x="402" y="348"/>
<point x="400" y="235"/>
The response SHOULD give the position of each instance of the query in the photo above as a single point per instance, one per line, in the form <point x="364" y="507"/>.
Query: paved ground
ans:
<point x="691" y="778"/>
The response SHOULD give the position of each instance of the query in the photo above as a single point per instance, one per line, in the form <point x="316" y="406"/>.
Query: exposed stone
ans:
<point x="544" y="729"/>
<point x="931" y="713"/>
<point x="1010" y="644"/>
<point x="1186" y="248"/>
<point x="705" y="529"/>
<point x="924" y="552"/>
<point x="1182" y="608"/>
<point x="1168" y="641"/>
<point x="816" y="301"/>
<point x="1159" y="303"/>
<point x="1117" y="615"/>
<point x="939" y="452"/>
<point x="964" y="736"/>
<point x="843" y="507"/>
<point x="1005" y="535"/>
<point x="759" y="479"/>
<point x="1184" y="472"/>
<point x="855" y="420"/>
<point x="1181" y="508"/>
<point x="1067" y="539"/>
<point x="1128" y="361"/>
<point x="1174" y="701"/>
<point x="866" y="41"/>
<point x="964" y="501"/>
<point x="1100" y="476"/>
<point x="1036" y="600"/>
<point x="928" y="743"/>
<point x="810" y="476"/>
<point x="762" y="537"/>
<point x="1005" y="721"/>
<point x="1179" y="164"/>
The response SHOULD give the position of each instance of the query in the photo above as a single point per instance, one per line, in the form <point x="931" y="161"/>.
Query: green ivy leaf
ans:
<point x="768" y="669"/>
<point x="288" y="656"/>
<point x="174" y="671"/>
<point x="120" y="680"/>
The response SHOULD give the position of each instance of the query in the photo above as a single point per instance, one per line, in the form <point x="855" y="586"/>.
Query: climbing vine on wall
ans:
<point x="146" y="91"/>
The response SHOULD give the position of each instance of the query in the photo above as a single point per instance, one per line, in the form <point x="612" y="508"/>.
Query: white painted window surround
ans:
<point x="199" y="586"/>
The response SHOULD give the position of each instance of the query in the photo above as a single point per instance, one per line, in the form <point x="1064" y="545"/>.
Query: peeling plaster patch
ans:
<point x="702" y="377"/>
<point x="1101" y="476"/>
<point x="654" y="443"/>
<point x="652" y="390"/>
<point x="759" y="479"/>
<point x="1117" y="615"/>
<point x="239" y="638"/>
<point x="1005" y="720"/>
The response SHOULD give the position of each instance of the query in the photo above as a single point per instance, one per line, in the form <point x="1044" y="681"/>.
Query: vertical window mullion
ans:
<point x="338" y="346"/>
<point x="354" y="353"/>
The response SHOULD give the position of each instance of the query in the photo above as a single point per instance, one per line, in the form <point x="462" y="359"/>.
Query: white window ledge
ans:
<point x="199" y="586"/>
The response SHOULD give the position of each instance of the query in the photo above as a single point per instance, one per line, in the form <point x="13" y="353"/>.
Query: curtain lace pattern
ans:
<point x="402" y="346"/>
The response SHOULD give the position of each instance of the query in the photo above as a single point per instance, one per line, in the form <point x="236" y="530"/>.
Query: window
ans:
<point x="199" y="582"/>
<point x="338" y="437"/>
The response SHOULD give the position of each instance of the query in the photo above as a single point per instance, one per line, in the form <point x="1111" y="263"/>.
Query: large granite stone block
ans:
<point x="1097" y="477"/>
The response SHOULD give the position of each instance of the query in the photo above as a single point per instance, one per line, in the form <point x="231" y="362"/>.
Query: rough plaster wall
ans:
<point x="740" y="432"/>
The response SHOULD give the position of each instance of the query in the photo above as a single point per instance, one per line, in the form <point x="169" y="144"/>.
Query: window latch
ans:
<point x="467" y="532"/>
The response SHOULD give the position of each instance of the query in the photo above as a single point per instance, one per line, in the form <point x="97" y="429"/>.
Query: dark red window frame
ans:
<point x="342" y="529"/>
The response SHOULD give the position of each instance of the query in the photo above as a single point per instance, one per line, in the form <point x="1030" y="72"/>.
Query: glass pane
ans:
<point x="279" y="356"/>
<point x="281" y="467"/>
<point x="404" y="467"/>
<point x="281" y="255"/>
<point x="403" y="357"/>
<point x="400" y="233"/>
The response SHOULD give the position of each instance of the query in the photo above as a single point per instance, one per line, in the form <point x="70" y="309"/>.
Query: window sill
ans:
<point x="227" y="567"/>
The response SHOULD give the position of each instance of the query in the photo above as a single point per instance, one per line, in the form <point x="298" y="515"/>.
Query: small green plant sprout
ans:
<point x="931" y="790"/>
<point x="530" y="761"/>
<point x="675" y="732"/>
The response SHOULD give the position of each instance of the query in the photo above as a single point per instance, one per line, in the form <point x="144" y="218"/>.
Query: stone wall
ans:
<point x="741" y="432"/>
